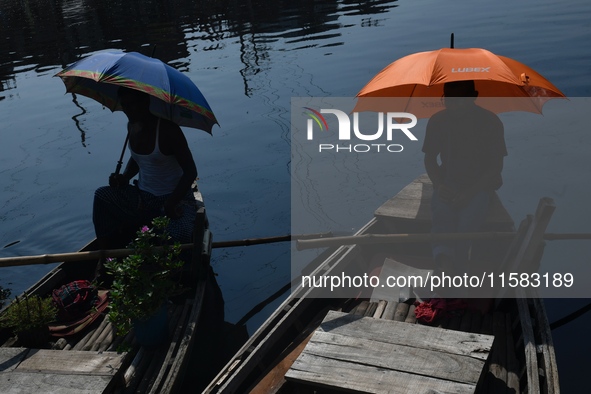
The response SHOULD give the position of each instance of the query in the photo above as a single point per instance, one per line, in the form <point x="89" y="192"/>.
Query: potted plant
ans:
<point x="143" y="282"/>
<point x="28" y="317"/>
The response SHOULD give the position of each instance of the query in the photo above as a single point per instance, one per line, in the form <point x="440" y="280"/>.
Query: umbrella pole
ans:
<point x="120" y="162"/>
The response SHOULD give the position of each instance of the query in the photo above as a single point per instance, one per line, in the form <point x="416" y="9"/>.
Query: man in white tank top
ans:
<point x="166" y="170"/>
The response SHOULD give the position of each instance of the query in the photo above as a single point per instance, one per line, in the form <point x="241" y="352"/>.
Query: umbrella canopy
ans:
<point x="173" y="95"/>
<point x="423" y="74"/>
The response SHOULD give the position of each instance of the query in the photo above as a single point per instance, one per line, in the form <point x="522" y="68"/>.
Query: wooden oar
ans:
<point x="267" y="240"/>
<point x="115" y="253"/>
<point x="566" y="236"/>
<point x="367" y="239"/>
<point x="304" y="241"/>
<point x="62" y="257"/>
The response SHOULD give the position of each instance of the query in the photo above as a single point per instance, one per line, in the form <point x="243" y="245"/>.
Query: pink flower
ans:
<point x="145" y="228"/>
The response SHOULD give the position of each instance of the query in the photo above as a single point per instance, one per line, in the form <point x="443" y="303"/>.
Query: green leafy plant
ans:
<point x="29" y="313"/>
<point x="144" y="280"/>
<point x="4" y="294"/>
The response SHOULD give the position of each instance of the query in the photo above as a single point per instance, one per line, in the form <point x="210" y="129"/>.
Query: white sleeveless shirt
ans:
<point x="159" y="173"/>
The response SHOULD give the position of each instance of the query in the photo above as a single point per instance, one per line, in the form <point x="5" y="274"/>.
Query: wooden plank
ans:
<point x="411" y="317"/>
<point x="367" y="379"/>
<point x="97" y="333"/>
<point x="10" y="357"/>
<point x="497" y="383"/>
<point x="512" y="362"/>
<point x="49" y="383"/>
<point x="360" y="309"/>
<point x="380" y="309"/>
<point x="531" y="359"/>
<point x="524" y="260"/>
<point x="142" y="371"/>
<point x="547" y="345"/>
<point x="150" y="372"/>
<point x="107" y="332"/>
<point x="93" y="328"/>
<point x="413" y="204"/>
<point x="135" y="369"/>
<point x="390" y="310"/>
<point x="249" y="356"/>
<point x="455" y="342"/>
<point x="396" y="357"/>
<point x="401" y="312"/>
<point x="273" y="381"/>
<point x="179" y="363"/>
<point x="172" y="350"/>
<point x="371" y="309"/>
<point x="71" y="362"/>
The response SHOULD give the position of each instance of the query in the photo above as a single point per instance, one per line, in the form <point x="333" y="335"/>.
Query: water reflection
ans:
<point x="77" y="121"/>
<point x="40" y="34"/>
<point x="44" y="36"/>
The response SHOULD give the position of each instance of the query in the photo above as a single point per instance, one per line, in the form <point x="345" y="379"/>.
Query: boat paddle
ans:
<point x="117" y="253"/>
<point x="304" y="241"/>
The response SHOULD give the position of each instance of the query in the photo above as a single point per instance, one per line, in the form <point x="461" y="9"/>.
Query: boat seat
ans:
<point x="411" y="209"/>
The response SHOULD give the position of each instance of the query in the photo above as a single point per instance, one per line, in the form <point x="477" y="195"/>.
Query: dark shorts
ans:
<point x="123" y="210"/>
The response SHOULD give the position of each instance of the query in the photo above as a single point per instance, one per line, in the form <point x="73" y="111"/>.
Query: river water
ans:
<point x="249" y="59"/>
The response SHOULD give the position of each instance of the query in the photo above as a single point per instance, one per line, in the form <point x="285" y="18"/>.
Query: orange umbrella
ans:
<point x="421" y="76"/>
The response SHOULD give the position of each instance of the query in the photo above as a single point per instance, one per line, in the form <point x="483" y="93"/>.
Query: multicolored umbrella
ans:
<point x="174" y="95"/>
<point x="422" y="75"/>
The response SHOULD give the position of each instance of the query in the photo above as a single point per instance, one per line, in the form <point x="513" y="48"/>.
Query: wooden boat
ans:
<point x="89" y="362"/>
<point x="312" y="344"/>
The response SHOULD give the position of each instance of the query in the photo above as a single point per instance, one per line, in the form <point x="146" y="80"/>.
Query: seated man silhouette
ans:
<point x="161" y="156"/>
<point x="464" y="149"/>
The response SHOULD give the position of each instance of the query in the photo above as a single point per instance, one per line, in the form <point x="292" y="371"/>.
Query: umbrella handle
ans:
<point x="120" y="162"/>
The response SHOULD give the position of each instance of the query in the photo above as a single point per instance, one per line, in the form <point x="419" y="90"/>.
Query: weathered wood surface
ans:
<point x="274" y="380"/>
<point x="55" y="361"/>
<point x="74" y="362"/>
<point x="527" y="256"/>
<point x="50" y="383"/>
<point x="399" y="357"/>
<point x="10" y="358"/>
<point x="53" y="371"/>
<point x="529" y="342"/>
<point x="472" y="345"/>
<point x="390" y="357"/>
<point x="547" y="345"/>
<point x="413" y="203"/>
<point x="369" y="379"/>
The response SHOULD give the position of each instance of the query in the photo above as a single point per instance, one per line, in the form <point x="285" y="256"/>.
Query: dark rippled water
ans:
<point x="249" y="59"/>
